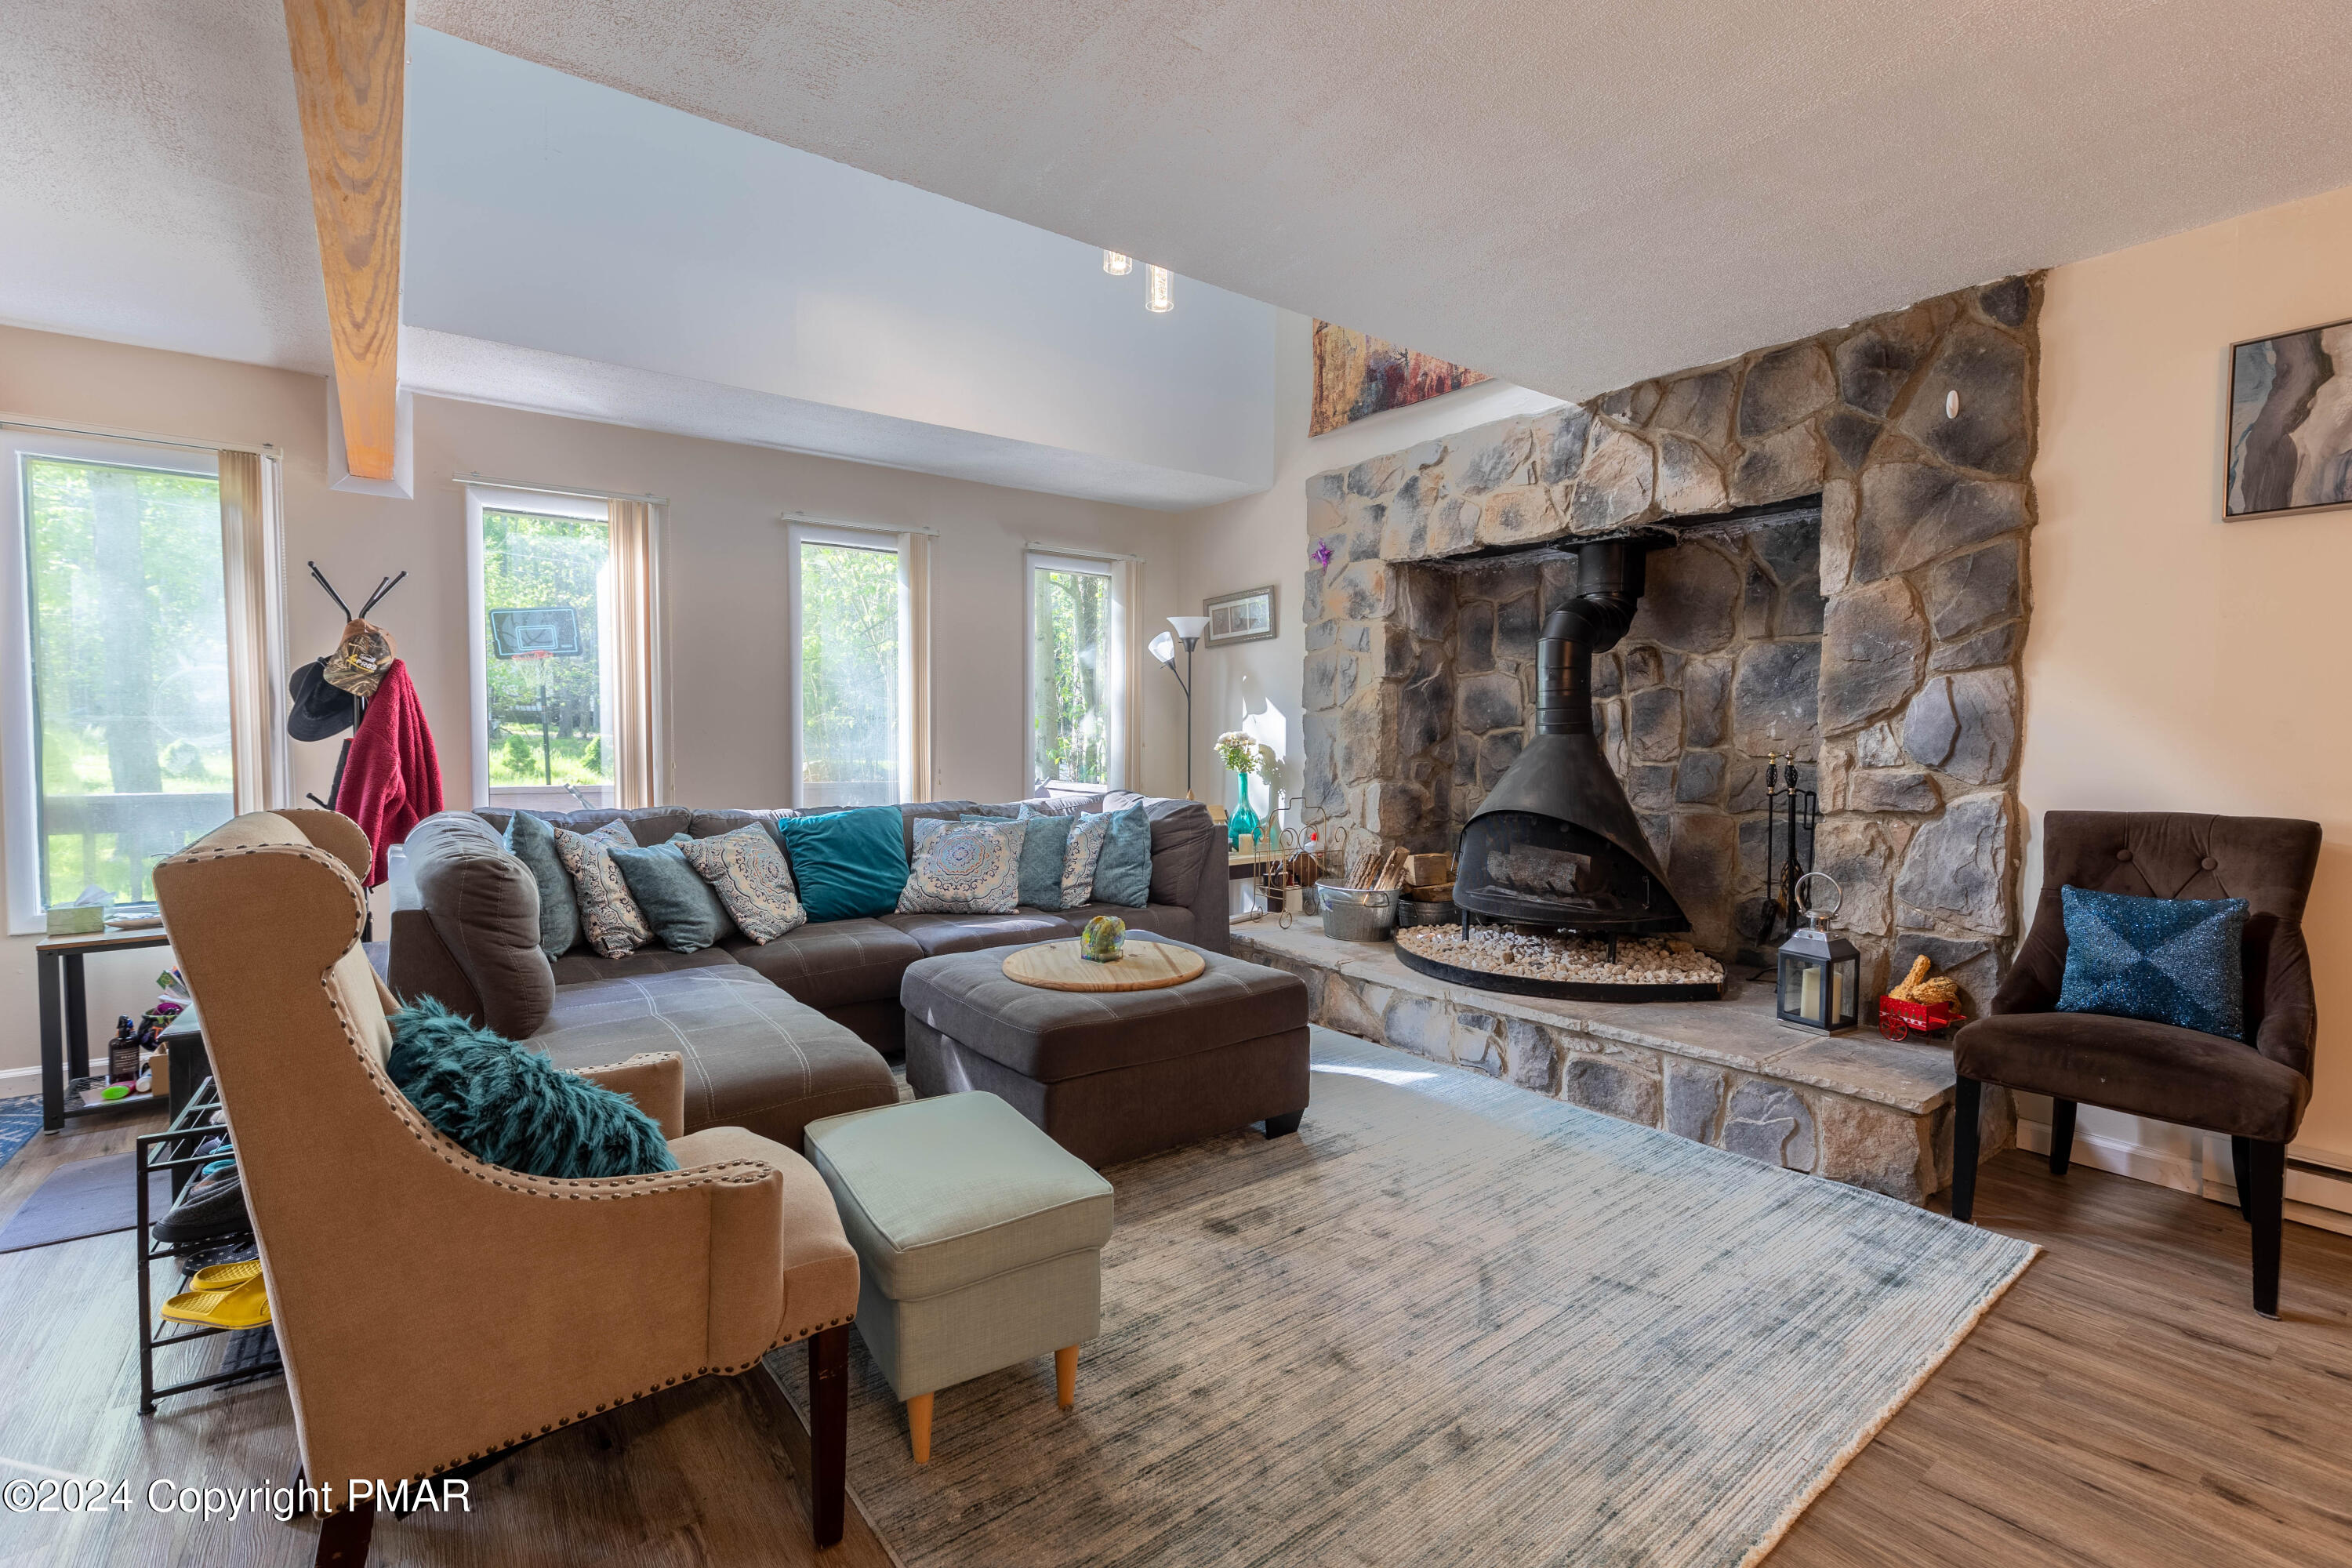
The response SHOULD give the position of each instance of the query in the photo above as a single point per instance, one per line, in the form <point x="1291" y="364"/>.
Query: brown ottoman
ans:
<point x="1111" y="1075"/>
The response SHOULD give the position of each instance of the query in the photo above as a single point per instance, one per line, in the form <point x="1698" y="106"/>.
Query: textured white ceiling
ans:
<point x="151" y="183"/>
<point x="1572" y="194"/>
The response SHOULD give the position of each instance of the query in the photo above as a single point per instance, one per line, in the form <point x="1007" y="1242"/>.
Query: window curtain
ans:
<point x="915" y="676"/>
<point x="1127" y="643"/>
<point x="640" y="777"/>
<point x="257" y="654"/>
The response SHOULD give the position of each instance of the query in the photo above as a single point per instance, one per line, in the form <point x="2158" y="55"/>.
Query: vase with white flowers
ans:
<point x="1246" y="754"/>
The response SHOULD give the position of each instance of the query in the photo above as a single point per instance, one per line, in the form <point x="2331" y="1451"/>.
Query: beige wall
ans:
<point x="1246" y="543"/>
<point x="729" y="695"/>
<point x="2178" y="662"/>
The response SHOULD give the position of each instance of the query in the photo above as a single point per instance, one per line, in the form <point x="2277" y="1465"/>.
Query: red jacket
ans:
<point x="391" y="779"/>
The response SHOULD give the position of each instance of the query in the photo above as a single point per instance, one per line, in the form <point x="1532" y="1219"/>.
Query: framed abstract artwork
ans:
<point x="1245" y="616"/>
<point x="2290" y="421"/>
<point x="1358" y="375"/>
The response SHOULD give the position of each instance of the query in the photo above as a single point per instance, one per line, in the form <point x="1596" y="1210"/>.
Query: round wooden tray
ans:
<point x="1144" y="966"/>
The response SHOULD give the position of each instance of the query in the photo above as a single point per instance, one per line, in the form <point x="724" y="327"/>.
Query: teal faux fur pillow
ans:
<point x="512" y="1107"/>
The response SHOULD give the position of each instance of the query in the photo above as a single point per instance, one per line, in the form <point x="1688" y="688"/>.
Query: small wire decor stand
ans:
<point x="252" y="1353"/>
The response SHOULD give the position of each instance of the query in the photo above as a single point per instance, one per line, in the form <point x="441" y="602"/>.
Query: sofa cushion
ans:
<point x="684" y="910"/>
<point x="937" y="1195"/>
<point x="2182" y="1076"/>
<point x="968" y="934"/>
<point x="832" y="964"/>
<point x="755" y="1059"/>
<point x="745" y="867"/>
<point x="1181" y="831"/>
<point x="1123" y="873"/>
<point x="582" y="966"/>
<point x="530" y="840"/>
<point x="964" y="869"/>
<point x="1155" y="920"/>
<point x="609" y="918"/>
<point x="1053" y="1036"/>
<point x="483" y="906"/>
<point x="847" y="864"/>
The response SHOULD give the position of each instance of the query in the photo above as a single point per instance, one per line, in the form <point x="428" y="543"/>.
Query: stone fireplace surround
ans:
<point x="1850" y="584"/>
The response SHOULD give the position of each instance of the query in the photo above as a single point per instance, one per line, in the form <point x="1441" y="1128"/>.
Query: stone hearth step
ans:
<point x="1854" y="1108"/>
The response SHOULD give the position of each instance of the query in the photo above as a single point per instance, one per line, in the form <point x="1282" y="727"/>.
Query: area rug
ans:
<point x="83" y="1197"/>
<point x="20" y="1122"/>
<point x="1450" y="1323"/>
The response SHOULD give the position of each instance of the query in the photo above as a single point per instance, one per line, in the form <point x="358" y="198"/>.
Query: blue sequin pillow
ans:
<point x="2166" y="961"/>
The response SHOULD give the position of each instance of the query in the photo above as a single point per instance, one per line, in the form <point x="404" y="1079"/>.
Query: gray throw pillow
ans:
<point x="1044" y="842"/>
<point x="685" y="915"/>
<point x="1123" y="875"/>
<point x="531" y="841"/>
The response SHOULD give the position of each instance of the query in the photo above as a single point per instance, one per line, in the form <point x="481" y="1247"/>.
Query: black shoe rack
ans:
<point x="251" y="1352"/>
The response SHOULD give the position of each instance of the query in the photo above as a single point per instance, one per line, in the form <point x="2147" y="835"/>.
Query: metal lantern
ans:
<point x="1821" y="972"/>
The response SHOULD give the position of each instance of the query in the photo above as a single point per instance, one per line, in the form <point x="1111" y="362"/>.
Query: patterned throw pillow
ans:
<point x="963" y="869"/>
<point x="1088" y="833"/>
<point x="2166" y="961"/>
<point x="609" y="917"/>
<point x="748" y="873"/>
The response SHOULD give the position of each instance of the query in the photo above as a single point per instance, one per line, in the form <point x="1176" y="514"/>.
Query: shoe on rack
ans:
<point x="212" y="1205"/>
<point x="225" y="1275"/>
<point x="245" y="1306"/>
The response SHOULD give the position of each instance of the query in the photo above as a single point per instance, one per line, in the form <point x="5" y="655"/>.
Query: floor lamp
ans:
<point x="1163" y="648"/>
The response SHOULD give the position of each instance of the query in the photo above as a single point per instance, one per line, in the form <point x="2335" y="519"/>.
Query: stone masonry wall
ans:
<point x="1919" y="573"/>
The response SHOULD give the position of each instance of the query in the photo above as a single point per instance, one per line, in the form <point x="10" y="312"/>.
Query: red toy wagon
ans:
<point x="1897" y="1020"/>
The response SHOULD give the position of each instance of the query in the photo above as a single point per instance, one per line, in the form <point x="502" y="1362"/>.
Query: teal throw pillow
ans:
<point x="531" y="841"/>
<point x="847" y="863"/>
<point x="1045" y="843"/>
<point x="1123" y="874"/>
<point x="685" y="914"/>
<point x="512" y="1107"/>
<point x="2163" y="961"/>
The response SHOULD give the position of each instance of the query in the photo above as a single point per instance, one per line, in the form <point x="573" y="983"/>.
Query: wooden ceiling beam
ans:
<point x="350" y="76"/>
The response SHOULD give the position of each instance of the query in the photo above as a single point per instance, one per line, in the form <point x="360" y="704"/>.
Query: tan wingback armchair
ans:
<point x="433" y="1310"/>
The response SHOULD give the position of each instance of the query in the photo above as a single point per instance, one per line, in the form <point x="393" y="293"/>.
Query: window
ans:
<point x="545" y="700"/>
<point x="1074" y="680"/>
<point x="852" y="694"/>
<point x="121" y="744"/>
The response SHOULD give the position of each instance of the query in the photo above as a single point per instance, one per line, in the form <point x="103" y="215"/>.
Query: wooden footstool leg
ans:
<point x="918" y="1427"/>
<point x="1066" y="1375"/>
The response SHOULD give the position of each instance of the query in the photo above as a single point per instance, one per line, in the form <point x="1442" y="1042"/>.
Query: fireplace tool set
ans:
<point x="1790" y="813"/>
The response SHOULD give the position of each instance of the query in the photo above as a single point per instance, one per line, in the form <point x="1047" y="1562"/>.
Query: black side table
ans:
<point x="65" y="1019"/>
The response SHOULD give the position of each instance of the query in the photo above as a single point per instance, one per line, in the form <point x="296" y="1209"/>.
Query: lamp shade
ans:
<point x="1163" y="648"/>
<point x="1189" y="628"/>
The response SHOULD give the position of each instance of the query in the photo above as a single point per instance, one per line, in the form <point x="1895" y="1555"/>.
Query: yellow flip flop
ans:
<point x="225" y="1275"/>
<point x="245" y="1306"/>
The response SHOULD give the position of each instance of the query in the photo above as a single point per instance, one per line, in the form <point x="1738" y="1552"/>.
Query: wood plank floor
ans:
<point x="2122" y="1405"/>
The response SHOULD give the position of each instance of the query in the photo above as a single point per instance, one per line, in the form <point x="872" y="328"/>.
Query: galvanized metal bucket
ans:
<point x="1358" y="914"/>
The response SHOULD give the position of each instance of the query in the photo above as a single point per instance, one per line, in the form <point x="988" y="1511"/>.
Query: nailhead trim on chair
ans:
<point x="598" y="1189"/>
<point x="699" y="1372"/>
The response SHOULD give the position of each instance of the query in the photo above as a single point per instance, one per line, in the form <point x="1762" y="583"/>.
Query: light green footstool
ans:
<point x="979" y="1242"/>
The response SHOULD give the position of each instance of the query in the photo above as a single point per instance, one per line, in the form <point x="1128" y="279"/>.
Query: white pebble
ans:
<point x="1641" y="961"/>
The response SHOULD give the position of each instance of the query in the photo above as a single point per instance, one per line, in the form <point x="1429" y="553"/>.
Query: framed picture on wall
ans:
<point x="1245" y="616"/>
<point x="2290" y="421"/>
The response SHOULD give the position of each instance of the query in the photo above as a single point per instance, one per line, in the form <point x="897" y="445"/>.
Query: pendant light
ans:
<point x="1117" y="265"/>
<point x="1157" y="298"/>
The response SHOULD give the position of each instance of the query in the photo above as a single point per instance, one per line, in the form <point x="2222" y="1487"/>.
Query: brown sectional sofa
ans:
<point x="464" y="928"/>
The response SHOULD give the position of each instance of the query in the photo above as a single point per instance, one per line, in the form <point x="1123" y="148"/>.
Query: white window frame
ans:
<point x="534" y="504"/>
<point x="1115" y="692"/>
<point x="892" y="541"/>
<point x="19" y="770"/>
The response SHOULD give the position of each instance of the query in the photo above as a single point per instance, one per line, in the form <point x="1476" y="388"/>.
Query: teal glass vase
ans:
<point x="1245" y="824"/>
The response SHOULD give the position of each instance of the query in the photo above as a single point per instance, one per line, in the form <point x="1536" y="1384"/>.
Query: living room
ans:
<point x="1270" y="556"/>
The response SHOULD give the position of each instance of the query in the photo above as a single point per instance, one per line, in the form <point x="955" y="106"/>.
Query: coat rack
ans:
<point x="358" y="704"/>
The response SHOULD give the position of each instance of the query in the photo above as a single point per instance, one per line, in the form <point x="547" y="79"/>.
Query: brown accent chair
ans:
<point x="2255" y="1090"/>
<point x="524" y="1303"/>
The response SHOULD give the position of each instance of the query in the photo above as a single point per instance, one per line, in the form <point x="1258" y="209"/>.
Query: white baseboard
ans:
<point x="11" y="1077"/>
<point x="2313" y="1197"/>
